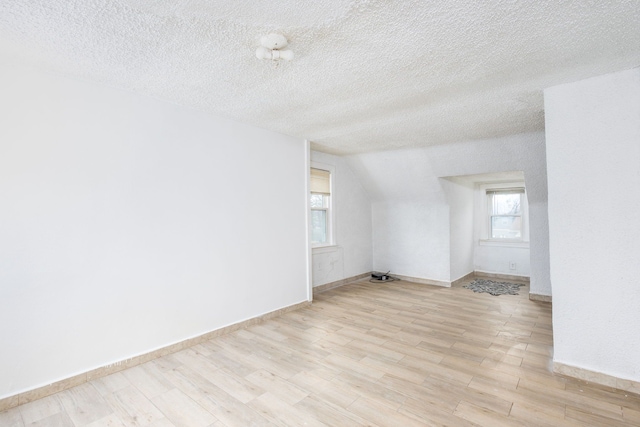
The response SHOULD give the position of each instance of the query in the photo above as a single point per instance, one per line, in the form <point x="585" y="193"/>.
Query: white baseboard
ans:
<point x="422" y="280"/>
<point x="325" y="287"/>
<point x="596" y="377"/>
<point x="540" y="297"/>
<point x="501" y="276"/>
<point x="463" y="278"/>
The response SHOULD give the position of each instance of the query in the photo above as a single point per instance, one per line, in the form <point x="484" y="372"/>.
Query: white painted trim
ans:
<point x="307" y="214"/>
<point x="325" y="249"/>
<point x="504" y="243"/>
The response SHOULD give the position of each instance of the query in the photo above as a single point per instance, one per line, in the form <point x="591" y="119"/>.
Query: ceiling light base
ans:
<point x="271" y="48"/>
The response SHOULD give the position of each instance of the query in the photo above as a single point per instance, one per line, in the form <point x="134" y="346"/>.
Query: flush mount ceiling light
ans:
<point x="272" y="45"/>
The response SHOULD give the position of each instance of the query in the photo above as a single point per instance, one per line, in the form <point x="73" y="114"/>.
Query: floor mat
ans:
<point x="494" y="288"/>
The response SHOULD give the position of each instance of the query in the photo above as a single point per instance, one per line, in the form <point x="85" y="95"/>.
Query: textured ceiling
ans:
<point x="367" y="75"/>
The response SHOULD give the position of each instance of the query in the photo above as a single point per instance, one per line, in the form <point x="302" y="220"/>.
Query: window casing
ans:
<point x="506" y="214"/>
<point x="320" y="202"/>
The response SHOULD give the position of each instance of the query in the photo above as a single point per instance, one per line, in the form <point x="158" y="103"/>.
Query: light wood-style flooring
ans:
<point x="393" y="354"/>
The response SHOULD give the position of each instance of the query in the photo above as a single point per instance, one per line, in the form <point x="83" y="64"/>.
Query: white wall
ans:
<point x="351" y="255"/>
<point x="411" y="238"/>
<point x="411" y="212"/>
<point x="499" y="258"/>
<point x="460" y="197"/>
<point x="593" y="152"/>
<point x="127" y="224"/>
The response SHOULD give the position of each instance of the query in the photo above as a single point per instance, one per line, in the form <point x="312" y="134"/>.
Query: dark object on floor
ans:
<point x="493" y="288"/>
<point x="381" y="277"/>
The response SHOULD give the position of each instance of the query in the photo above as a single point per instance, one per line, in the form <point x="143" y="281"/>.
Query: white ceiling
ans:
<point x="367" y="76"/>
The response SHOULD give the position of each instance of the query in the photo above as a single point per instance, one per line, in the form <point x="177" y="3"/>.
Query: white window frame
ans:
<point x="485" y="232"/>
<point x="330" y="209"/>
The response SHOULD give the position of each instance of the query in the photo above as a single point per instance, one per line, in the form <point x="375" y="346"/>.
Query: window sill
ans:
<point x="324" y="248"/>
<point x="504" y="243"/>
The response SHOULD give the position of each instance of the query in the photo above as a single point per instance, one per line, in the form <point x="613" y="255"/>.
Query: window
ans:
<point x="506" y="220"/>
<point x="320" y="207"/>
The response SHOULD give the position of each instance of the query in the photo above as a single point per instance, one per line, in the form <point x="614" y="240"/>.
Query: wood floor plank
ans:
<point x="111" y="383"/>
<point x="330" y="414"/>
<point x="631" y="416"/>
<point x="431" y="397"/>
<point x="282" y="413"/>
<point x="432" y="415"/>
<point x="547" y="416"/>
<point x="181" y="410"/>
<point x="39" y="409"/>
<point x="483" y="416"/>
<point x="277" y="386"/>
<point x="236" y="386"/>
<point x="83" y="404"/>
<point x="12" y="417"/>
<point x="381" y="415"/>
<point x="164" y="422"/>
<point x="60" y="419"/>
<point x="148" y="379"/>
<point x="111" y="420"/>
<point x="132" y="407"/>
<point x="586" y="417"/>
<point x="371" y="390"/>
<point x="232" y="412"/>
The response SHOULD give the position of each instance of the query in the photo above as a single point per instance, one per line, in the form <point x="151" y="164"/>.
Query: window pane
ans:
<point x="506" y="227"/>
<point x="318" y="226"/>
<point x="317" y="201"/>
<point x="507" y="204"/>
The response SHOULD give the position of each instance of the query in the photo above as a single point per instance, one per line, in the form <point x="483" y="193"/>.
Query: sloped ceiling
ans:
<point x="367" y="75"/>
